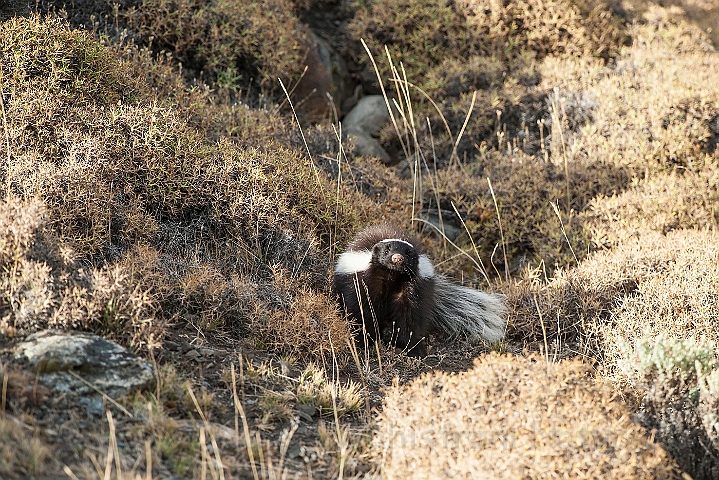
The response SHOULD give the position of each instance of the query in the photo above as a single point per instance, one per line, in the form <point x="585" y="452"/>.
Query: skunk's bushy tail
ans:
<point x="462" y="311"/>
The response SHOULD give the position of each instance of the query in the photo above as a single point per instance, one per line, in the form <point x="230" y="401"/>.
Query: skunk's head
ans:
<point x="396" y="255"/>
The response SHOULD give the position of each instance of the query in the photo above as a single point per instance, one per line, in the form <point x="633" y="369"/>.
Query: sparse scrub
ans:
<point x="140" y="192"/>
<point x="651" y="286"/>
<point x="143" y="198"/>
<point x="513" y="417"/>
<point x="423" y="33"/>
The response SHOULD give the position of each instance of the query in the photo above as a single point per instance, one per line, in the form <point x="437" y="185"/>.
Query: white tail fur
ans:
<point x="462" y="311"/>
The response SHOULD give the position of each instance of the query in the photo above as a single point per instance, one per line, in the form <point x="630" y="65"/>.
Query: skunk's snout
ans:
<point x="397" y="259"/>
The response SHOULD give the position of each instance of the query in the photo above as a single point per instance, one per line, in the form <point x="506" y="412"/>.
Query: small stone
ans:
<point x="193" y="355"/>
<point x="306" y="412"/>
<point x="365" y="144"/>
<point x="294" y="452"/>
<point x="363" y="123"/>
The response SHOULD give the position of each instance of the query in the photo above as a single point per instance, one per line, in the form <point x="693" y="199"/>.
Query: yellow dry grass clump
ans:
<point x="513" y="417"/>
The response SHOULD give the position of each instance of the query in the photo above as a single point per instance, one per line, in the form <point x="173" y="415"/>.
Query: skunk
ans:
<point x="387" y="285"/>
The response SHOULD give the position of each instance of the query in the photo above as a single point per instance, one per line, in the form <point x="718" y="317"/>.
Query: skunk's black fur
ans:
<point x="387" y="285"/>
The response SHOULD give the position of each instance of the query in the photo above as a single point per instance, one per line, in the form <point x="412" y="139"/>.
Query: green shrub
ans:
<point x="678" y="379"/>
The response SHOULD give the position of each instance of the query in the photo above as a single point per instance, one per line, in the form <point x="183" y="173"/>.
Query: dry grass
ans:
<point x="22" y="452"/>
<point x="512" y="417"/>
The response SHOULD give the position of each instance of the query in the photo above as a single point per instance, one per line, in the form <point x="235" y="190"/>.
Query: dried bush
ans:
<point x="152" y="202"/>
<point x="291" y="318"/>
<point x="40" y="289"/>
<point x="649" y="286"/>
<point x="625" y="149"/>
<point x="662" y="203"/>
<point x="423" y="34"/>
<point x="233" y="41"/>
<point x="513" y="417"/>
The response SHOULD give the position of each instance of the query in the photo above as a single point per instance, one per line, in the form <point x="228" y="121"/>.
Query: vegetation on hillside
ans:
<point x="150" y="196"/>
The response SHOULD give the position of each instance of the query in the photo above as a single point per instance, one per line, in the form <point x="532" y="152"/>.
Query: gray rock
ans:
<point x="363" y="123"/>
<point x="369" y="115"/>
<point x="364" y="144"/>
<point x="306" y="412"/>
<point x="61" y="357"/>
<point x="449" y="223"/>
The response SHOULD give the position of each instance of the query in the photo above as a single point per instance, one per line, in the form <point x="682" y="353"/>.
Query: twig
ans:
<point x="564" y="232"/>
<point x="245" y="428"/>
<point x="7" y="135"/>
<point x="501" y="232"/>
<point x="299" y="125"/>
<point x="544" y="332"/>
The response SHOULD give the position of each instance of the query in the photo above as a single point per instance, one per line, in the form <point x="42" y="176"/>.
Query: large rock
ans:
<point x="326" y="74"/>
<point x="369" y="115"/>
<point x="108" y="367"/>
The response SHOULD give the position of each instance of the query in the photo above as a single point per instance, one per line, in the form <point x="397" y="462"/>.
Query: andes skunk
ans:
<point x="387" y="285"/>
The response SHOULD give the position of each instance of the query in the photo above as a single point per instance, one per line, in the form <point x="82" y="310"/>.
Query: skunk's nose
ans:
<point x="397" y="258"/>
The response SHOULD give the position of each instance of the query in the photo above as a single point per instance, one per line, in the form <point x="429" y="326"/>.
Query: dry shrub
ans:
<point x="525" y="188"/>
<point x="677" y="288"/>
<point x="67" y="63"/>
<point x="127" y="173"/>
<point x="650" y="286"/>
<point x="40" y="290"/>
<point x="638" y="146"/>
<point x="232" y="40"/>
<point x="422" y="34"/>
<point x="513" y="417"/>
<point x="294" y="319"/>
<point x="174" y="222"/>
<point x="650" y="115"/>
<point x="662" y="203"/>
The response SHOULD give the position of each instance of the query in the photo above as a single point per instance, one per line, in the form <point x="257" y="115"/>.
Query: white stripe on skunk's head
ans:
<point x="396" y="240"/>
<point x="353" y="262"/>
<point x="426" y="269"/>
